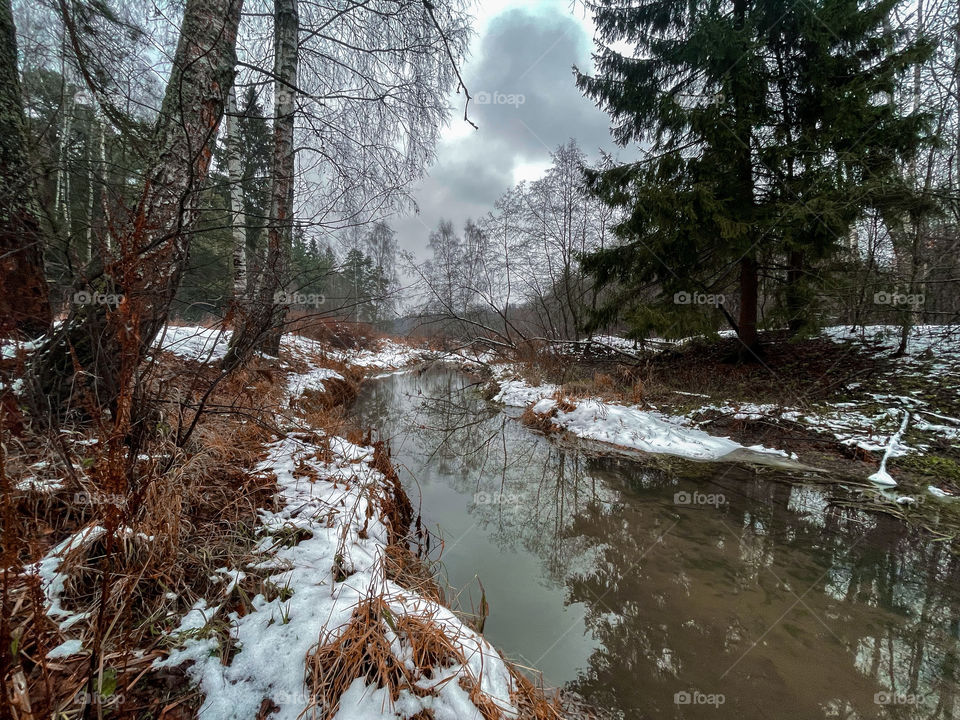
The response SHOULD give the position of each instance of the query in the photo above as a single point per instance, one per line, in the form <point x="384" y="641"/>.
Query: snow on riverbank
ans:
<point x="621" y="425"/>
<point x="322" y="555"/>
<point x="209" y="345"/>
<point x="874" y="419"/>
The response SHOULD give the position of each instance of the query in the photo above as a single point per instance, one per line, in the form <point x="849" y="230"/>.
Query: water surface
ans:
<point x="674" y="590"/>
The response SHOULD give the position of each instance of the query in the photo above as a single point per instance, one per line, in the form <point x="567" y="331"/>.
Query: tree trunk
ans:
<point x="261" y="326"/>
<point x="24" y="302"/>
<point x="237" y="216"/>
<point x="749" y="283"/>
<point x="102" y="343"/>
<point x="794" y="292"/>
<point x="747" y="324"/>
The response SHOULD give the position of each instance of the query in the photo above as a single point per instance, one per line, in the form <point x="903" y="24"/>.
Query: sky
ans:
<point x="521" y="62"/>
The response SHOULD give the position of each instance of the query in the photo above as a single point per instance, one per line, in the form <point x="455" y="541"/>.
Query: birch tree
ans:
<point x="100" y="345"/>
<point x="237" y="212"/>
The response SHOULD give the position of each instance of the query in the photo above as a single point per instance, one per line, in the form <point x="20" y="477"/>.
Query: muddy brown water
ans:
<point x="683" y="590"/>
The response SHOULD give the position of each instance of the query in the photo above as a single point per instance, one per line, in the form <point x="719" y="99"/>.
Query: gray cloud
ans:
<point x="523" y="52"/>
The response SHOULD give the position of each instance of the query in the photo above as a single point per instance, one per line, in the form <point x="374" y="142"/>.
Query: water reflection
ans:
<point x="710" y="591"/>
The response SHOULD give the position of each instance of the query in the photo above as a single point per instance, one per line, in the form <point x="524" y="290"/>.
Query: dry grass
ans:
<point x="190" y="509"/>
<point x="178" y="512"/>
<point x="364" y="648"/>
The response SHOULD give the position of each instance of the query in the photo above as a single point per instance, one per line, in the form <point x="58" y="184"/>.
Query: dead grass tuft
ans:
<point x="539" y="421"/>
<point x="363" y="649"/>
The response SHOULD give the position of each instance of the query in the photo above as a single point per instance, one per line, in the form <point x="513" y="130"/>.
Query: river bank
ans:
<point x="639" y="582"/>
<point x="841" y="403"/>
<point x="311" y="600"/>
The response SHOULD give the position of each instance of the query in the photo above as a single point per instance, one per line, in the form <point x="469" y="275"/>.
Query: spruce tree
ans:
<point x="767" y="128"/>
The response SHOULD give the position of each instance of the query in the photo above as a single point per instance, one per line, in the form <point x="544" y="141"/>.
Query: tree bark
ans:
<point x="747" y="324"/>
<point x="237" y="214"/>
<point x="749" y="283"/>
<point x="24" y="302"/>
<point x="261" y="326"/>
<point x="101" y="344"/>
<point x="794" y="292"/>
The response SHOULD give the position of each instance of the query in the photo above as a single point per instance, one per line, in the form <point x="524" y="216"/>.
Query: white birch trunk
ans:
<point x="237" y="215"/>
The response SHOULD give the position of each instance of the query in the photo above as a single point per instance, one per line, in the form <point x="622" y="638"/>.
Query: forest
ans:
<point x="376" y="359"/>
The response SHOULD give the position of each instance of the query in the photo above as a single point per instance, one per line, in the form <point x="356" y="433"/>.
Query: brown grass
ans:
<point x="362" y="649"/>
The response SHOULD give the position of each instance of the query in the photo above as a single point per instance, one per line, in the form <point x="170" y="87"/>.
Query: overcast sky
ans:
<point x="521" y="48"/>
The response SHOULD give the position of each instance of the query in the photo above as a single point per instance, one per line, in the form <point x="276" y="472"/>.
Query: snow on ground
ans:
<point x="874" y="426"/>
<point x="519" y="393"/>
<point x="389" y="355"/>
<point x="210" y="345"/>
<point x="54" y="582"/>
<point x="299" y="383"/>
<point x="330" y="504"/>
<point x="621" y="425"/>
<point x="194" y="342"/>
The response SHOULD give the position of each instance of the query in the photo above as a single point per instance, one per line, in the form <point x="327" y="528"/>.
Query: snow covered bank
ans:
<point x="622" y="425"/>
<point x="322" y="558"/>
<point x="202" y="344"/>
<point x="865" y="408"/>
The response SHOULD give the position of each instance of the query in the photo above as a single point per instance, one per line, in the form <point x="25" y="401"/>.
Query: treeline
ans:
<point x="87" y="174"/>
<point x="204" y="162"/>
<point x="798" y="166"/>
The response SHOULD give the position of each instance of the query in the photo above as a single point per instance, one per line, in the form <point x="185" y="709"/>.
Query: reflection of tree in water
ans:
<point x="771" y="607"/>
<point x="785" y="604"/>
<point x="529" y="490"/>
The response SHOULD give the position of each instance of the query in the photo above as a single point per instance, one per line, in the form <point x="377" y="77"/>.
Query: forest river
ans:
<point x="673" y="589"/>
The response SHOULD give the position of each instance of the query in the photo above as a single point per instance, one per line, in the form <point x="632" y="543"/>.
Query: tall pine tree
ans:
<point x="768" y="128"/>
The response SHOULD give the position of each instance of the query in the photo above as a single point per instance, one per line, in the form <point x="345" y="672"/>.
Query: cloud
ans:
<point x="521" y="74"/>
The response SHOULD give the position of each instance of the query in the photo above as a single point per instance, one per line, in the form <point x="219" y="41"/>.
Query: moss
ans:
<point x="938" y="466"/>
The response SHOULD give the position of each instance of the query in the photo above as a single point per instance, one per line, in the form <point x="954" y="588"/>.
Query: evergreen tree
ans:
<point x="770" y="130"/>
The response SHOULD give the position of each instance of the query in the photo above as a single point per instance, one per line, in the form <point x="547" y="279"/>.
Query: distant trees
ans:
<point x="24" y="305"/>
<point x="515" y="274"/>
<point x="770" y="132"/>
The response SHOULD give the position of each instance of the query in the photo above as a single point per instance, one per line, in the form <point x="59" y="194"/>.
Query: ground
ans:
<point x="268" y="564"/>
<point x="835" y="403"/>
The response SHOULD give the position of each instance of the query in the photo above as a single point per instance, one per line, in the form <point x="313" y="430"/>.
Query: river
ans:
<point x="673" y="589"/>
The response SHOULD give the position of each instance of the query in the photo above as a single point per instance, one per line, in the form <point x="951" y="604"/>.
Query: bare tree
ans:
<point x="101" y="343"/>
